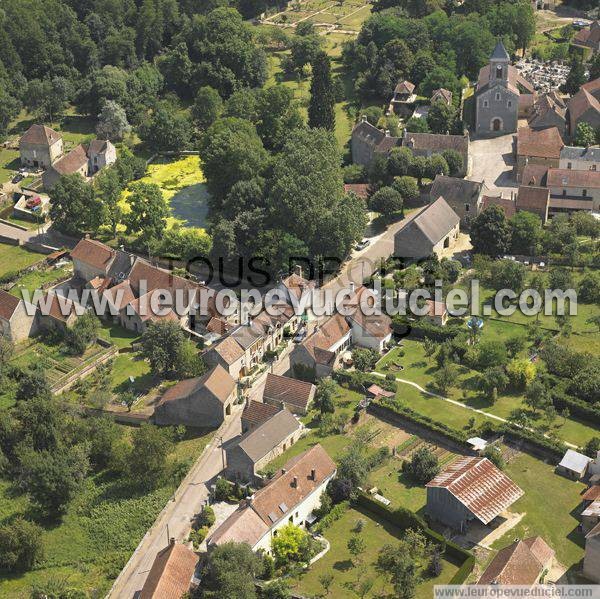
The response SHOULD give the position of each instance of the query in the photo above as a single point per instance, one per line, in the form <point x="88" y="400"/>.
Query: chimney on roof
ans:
<point x="313" y="474"/>
<point x="352" y="286"/>
<point x="87" y="235"/>
<point x="298" y="270"/>
<point x="283" y="471"/>
<point x="387" y="132"/>
<point x="172" y="541"/>
<point x="363" y="118"/>
<point x="295" y="482"/>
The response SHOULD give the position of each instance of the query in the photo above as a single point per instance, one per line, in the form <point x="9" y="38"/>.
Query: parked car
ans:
<point x="33" y="202"/>
<point x="17" y="178"/>
<point x="361" y="245"/>
<point x="299" y="336"/>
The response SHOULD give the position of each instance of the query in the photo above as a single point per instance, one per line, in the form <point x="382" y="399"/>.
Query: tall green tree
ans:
<point x="575" y="78"/>
<point x="148" y="212"/>
<point x="490" y="232"/>
<point x="321" y="110"/>
<point x="108" y="189"/>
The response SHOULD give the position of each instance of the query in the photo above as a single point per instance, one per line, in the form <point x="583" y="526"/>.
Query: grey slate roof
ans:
<point x="573" y="153"/>
<point x="436" y="220"/>
<point x="500" y="52"/>
<point x="258" y="442"/>
<point x="453" y="189"/>
<point x="575" y="461"/>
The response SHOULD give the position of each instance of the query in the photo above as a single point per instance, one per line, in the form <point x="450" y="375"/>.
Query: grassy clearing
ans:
<point x="376" y="533"/>
<point x="36" y="279"/>
<point x="14" y="258"/>
<point x="182" y="182"/>
<point x="9" y="163"/>
<point x="544" y="488"/>
<point x="117" y="335"/>
<point x="102" y="527"/>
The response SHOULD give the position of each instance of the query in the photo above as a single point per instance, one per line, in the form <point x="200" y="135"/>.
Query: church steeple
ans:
<point x="499" y="61"/>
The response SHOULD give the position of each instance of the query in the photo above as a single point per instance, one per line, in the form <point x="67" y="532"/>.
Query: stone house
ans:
<point x="76" y="161"/>
<point x="318" y="354"/>
<point x="464" y="197"/>
<point x="56" y="312"/>
<point x="101" y="153"/>
<point x="471" y="488"/>
<point x="247" y="456"/>
<point x="549" y="110"/>
<point x="172" y="573"/>
<point x="572" y="190"/>
<point x="507" y="205"/>
<point x="199" y="402"/>
<point x="535" y="199"/>
<point x="403" y="99"/>
<point x="137" y="314"/>
<point x="584" y="107"/>
<point x="293" y="394"/>
<point x="93" y="259"/>
<point x="16" y="324"/>
<point x="368" y="141"/>
<point x="40" y="147"/>
<point x="502" y="95"/>
<point x="580" y="159"/>
<point x="290" y="497"/>
<point x="521" y="563"/>
<point x="541" y="147"/>
<point x="591" y="561"/>
<point x="588" y="38"/>
<point x="429" y="232"/>
<point x="427" y="144"/>
<point x="228" y="354"/>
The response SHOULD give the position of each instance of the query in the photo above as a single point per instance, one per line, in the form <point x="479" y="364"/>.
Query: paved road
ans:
<point x="178" y="513"/>
<point x="497" y="174"/>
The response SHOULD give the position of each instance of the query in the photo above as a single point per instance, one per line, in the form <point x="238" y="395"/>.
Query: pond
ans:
<point x="190" y="204"/>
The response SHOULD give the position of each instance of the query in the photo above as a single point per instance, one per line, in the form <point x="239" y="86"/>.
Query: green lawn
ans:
<point x="101" y="528"/>
<point x="37" y="278"/>
<point x="130" y="364"/>
<point x="14" y="258"/>
<point x="376" y="533"/>
<point x="117" y="335"/>
<point x="551" y="506"/>
<point x="9" y="163"/>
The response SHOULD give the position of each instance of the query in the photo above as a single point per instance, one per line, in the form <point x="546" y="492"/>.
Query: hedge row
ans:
<point x="405" y="519"/>
<point x="577" y="407"/>
<point x="359" y="381"/>
<point x="556" y="448"/>
<point x="419" y="329"/>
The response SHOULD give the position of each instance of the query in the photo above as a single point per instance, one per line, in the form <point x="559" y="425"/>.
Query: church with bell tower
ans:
<point x="501" y="94"/>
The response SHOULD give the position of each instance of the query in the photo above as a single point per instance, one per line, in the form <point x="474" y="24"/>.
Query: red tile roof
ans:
<point x="535" y="174"/>
<point x="545" y="143"/>
<point x="257" y="412"/>
<point x="291" y="391"/>
<point x="217" y="382"/>
<point x="40" y="135"/>
<point x="94" y="253"/>
<point x="530" y="197"/>
<point x="171" y="573"/>
<point x="507" y="205"/>
<point x="481" y="487"/>
<point x="564" y="177"/>
<point x="592" y="493"/>
<point x="8" y="304"/>
<point x="71" y="162"/>
<point x="376" y="390"/>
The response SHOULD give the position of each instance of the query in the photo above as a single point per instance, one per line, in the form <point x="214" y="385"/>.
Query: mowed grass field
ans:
<point x="13" y="258"/>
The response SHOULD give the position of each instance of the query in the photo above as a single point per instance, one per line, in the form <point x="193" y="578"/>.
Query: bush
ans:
<point x="335" y="514"/>
<point x="223" y="489"/>
<point x="20" y="545"/>
<point x="423" y="466"/>
<point x="207" y="517"/>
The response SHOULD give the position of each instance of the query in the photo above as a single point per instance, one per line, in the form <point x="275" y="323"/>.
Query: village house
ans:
<point x="590" y="517"/>
<point x="572" y="190"/>
<point x="93" y="259"/>
<point x="15" y="322"/>
<point x="76" y="161"/>
<point x="40" y="147"/>
<point x="580" y="159"/>
<point x="591" y="561"/>
<point x="441" y="95"/>
<point x="592" y="494"/>
<point x="471" y="488"/>
<point x="507" y="205"/>
<point x="573" y="465"/>
<point x="293" y="394"/>
<point x="464" y="197"/>
<point x="541" y="147"/>
<point x="523" y="562"/>
<point x="290" y="497"/>
<point x="229" y="354"/>
<point x="549" y="110"/>
<point x="427" y="144"/>
<point x="588" y="38"/>
<point x="373" y="331"/>
<point x="535" y="174"/>
<point x="531" y="198"/>
<point x="248" y="455"/>
<point x="172" y="573"/>
<point x="367" y="141"/>
<point x="101" y="153"/>
<point x="584" y="107"/>
<point x="199" y="402"/>
<point x="403" y="99"/>
<point x="56" y="313"/>
<point x="318" y="354"/>
<point x="256" y="413"/>
<point x="429" y="232"/>
<point x="502" y="96"/>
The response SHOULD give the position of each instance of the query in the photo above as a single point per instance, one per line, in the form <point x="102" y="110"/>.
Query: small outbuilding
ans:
<point x="574" y="465"/>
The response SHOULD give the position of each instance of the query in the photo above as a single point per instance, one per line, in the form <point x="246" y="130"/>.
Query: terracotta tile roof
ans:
<point x="229" y="349"/>
<point x="297" y="285"/>
<point x="581" y="102"/>
<point x="359" y="189"/>
<point x="40" y="135"/>
<point x="548" y="103"/>
<point x="546" y="143"/>
<point x="71" y="162"/>
<point x="291" y="391"/>
<point x="436" y="308"/>
<point x="564" y="177"/>
<point x="441" y="94"/>
<point x="591" y="494"/>
<point x="217" y="383"/>
<point x="481" y="487"/>
<point x="589" y="36"/>
<point x="520" y="563"/>
<point x="94" y="253"/>
<point x="593" y="87"/>
<point x="374" y="325"/>
<point x="8" y="304"/>
<point x="404" y="87"/>
<point x="171" y="573"/>
<point x="55" y="307"/>
<point x="260" y="441"/>
<point x="243" y="526"/>
<point x="376" y="390"/>
<point x="142" y="306"/>
<point x="257" y="412"/>
<point x="535" y="174"/>
<point x="120" y="295"/>
<point x="595" y="532"/>
<point x="218" y="326"/>
<point x="571" y="204"/>
<point x="157" y="278"/>
<point x="436" y="142"/>
<point x="515" y="80"/>
<point x="530" y="197"/>
<point x="507" y="205"/>
<point x="332" y="331"/>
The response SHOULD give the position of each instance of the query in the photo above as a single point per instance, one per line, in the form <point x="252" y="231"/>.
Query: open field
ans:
<point x="101" y="528"/>
<point x="376" y="533"/>
<point x="182" y="184"/>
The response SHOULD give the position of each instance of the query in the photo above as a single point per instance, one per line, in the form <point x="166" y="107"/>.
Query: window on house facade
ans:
<point x="564" y="192"/>
<point x="467" y="207"/>
<point x="497" y="96"/>
<point x="509" y="104"/>
<point x="569" y="165"/>
<point x="593" y="167"/>
<point x="485" y="103"/>
<point x="584" y="192"/>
